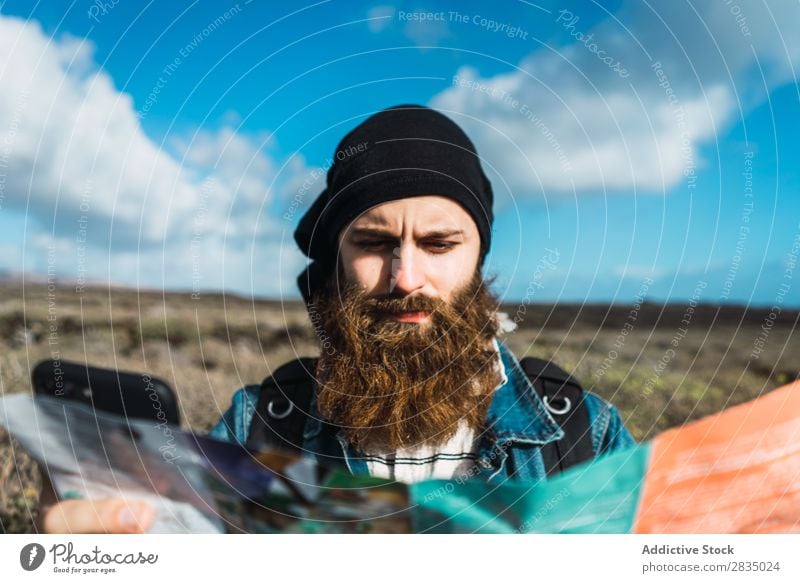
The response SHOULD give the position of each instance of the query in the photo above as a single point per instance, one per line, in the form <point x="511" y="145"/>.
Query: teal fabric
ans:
<point x="600" y="496"/>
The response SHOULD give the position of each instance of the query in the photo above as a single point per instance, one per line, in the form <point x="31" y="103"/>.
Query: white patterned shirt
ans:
<point x="454" y="458"/>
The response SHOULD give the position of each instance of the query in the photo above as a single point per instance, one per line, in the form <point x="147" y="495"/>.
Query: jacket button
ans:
<point x="485" y="463"/>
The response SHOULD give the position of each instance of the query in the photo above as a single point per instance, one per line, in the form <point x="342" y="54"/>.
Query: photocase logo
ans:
<point x="31" y="556"/>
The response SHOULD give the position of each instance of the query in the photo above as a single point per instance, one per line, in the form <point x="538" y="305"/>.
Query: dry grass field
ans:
<point x="661" y="365"/>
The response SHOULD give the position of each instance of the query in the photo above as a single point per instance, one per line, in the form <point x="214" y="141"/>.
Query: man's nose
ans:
<point x="407" y="271"/>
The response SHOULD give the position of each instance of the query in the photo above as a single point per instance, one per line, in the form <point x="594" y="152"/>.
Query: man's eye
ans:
<point x="440" y="245"/>
<point x="435" y="246"/>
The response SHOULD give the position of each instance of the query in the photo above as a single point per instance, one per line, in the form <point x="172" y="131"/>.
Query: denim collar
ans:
<point x="516" y="415"/>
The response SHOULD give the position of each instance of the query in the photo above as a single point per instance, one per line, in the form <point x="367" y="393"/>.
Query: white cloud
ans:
<point x="78" y="140"/>
<point x="564" y="120"/>
<point x="427" y="33"/>
<point x="77" y="160"/>
<point x="380" y="17"/>
<point x="564" y="138"/>
<point x="423" y="32"/>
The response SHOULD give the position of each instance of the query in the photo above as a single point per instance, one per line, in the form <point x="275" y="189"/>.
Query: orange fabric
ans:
<point x="734" y="472"/>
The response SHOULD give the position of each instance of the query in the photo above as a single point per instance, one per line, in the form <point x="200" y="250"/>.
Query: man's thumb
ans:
<point x="111" y="515"/>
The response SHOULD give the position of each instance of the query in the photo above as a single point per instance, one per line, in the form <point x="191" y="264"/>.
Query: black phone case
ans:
<point x="134" y="395"/>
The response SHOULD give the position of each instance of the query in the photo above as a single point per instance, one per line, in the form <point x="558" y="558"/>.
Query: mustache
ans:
<point x="394" y="304"/>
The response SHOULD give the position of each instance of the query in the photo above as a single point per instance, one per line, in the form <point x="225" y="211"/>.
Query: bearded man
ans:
<point x="411" y="382"/>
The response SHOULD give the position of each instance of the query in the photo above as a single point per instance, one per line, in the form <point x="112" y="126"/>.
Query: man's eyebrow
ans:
<point x="379" y="232"/>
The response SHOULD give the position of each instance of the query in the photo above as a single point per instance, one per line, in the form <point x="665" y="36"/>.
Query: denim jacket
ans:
<point x="517" y="425"/>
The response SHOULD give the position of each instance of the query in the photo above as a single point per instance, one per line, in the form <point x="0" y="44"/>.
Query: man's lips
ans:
<point x="410" y="316"/>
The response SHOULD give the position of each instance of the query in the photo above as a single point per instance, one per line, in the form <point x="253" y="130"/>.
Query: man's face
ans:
<point x="406" y="323"/>
<point x="423" y="245"/>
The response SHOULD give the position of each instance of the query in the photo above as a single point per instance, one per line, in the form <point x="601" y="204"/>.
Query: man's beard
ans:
<point x="391" y="384"/>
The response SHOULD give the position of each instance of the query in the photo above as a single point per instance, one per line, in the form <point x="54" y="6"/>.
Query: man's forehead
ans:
<point x="428" y="214"/>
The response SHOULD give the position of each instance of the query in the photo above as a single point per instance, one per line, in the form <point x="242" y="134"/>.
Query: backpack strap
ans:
<point x="282" y="409"/>
<point x="563" y="397"/>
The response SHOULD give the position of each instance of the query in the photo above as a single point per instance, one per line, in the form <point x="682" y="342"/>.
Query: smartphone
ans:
<point x="133" y="395"/>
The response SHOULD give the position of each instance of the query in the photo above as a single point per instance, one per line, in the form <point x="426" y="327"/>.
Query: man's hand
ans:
<point x="111" y="515"/>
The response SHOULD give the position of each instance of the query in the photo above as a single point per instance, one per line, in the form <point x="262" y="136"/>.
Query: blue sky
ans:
<point x="166" y="144"/>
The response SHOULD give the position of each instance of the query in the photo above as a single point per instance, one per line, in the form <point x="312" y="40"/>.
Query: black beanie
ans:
<point x="400" y="152"/>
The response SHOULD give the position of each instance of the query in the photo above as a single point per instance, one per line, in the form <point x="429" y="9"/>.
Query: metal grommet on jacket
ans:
<point x="554" y="408"/>
<point x="283" y="414"/>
